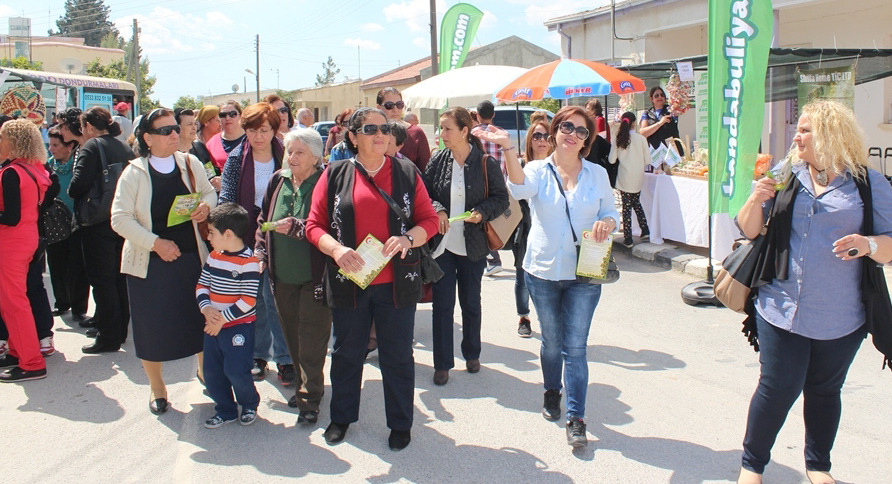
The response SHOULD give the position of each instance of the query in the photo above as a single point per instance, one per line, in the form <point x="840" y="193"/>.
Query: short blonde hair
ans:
<point x="24" y="140"/>
<point x="839" y="141"/>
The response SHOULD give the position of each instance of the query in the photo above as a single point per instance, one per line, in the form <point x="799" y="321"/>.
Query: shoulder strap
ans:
<point x="103" y="160"/>
<point x="189" y="171"/>
<point x="392" y="204"/>
<point x="36" y="185"/>
<point x="485" y="158"/>
<point x="566" y="203"/>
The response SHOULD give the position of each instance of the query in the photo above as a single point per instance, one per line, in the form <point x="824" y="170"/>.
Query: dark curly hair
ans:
<point x="71" y="119"/>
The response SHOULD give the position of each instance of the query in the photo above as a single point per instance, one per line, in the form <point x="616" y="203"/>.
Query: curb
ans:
<point x="669" y="256"/>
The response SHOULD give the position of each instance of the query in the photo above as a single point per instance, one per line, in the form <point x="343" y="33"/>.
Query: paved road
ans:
<point x="667" y="402"/>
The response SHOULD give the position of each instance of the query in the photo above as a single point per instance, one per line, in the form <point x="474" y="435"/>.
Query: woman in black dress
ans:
<point x="162" y="260"/>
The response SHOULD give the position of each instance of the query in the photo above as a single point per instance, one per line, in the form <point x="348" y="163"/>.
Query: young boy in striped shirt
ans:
<point x="226" y="294"/>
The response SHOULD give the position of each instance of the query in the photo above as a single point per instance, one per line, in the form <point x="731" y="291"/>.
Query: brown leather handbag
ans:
<point x="203" y="229"/>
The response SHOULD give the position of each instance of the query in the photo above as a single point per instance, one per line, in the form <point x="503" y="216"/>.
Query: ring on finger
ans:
<point x="853" y="252"/>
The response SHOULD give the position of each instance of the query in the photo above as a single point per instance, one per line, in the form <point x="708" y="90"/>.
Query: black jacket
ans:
<point x="438" y="180"/>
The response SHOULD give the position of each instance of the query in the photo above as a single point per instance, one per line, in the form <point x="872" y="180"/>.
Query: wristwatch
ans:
<point x="872" y="246"/>
<point x="411" y="239"/>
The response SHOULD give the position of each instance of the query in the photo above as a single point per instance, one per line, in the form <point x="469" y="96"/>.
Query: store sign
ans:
<point x="739" y="41"/>
<point x="836" y="83"/>
<point x="685" y="71"/>
<point x="97" y="99"/>
<point x="457" y="31"/>
<point x="19" y="27"/>
<point x="61" y="98"/>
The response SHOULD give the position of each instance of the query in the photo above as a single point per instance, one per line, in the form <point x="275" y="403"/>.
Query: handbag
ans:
<point x="734" y="280"/>
<point x="96" y="207"/>
<point x="498" y="230"/>
<point x="203" y="229"/>
<point x="430" y="270"/>
<point x="612" y="268"/>
<point x="55" y="223"/>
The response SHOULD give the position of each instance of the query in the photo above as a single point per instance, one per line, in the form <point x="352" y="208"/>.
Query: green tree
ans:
<point x="188" y="102"/>
<point x="329" y="71"/>
<point x="21" y="62"/>
<point x="118" y="70"/>
<point x="87" y="19"/>
<point x="549" y="104"/>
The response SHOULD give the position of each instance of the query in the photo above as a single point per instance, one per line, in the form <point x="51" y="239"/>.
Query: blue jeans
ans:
<point x="227" y="368"/>
<point x="395" y="328"/>
<point x="565" y="310"/>
<point x="792" y="365"/>
<point x="268" y="330"/>
<point x="521" y="293"/>
<point x="467" y="274"/>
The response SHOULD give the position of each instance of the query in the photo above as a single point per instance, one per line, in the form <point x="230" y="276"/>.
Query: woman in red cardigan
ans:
<point x="23" y="183"/>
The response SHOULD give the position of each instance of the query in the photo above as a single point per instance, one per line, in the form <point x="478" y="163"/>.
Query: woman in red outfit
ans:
<point x="23" y="183"/>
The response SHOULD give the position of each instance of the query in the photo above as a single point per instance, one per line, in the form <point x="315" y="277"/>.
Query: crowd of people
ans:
<point x="228" y="234"/>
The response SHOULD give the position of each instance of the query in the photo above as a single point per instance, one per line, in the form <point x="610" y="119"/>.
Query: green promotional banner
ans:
<point x="836" y="83"/>
<point x="739" y="40"/>
<point x="457" y="32"/>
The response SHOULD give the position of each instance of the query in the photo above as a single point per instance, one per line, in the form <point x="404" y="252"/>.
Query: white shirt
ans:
<point x="263" y="171"/>
<point x="632" y="160"/>
<point x="455" y="240"/>
<point x="163" y="165"/>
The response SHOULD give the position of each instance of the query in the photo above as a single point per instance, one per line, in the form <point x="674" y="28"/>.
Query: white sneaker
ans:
<point x="493" y="270"/>
<point x="46" y="346"/>
<point x="4" y="348"/>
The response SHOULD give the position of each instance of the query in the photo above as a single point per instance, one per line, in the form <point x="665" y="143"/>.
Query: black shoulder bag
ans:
<point x="612" y="269"/>
<point x="96" y="207"/>
<point x="430" y="270"/>
<point x="55" y="223"/>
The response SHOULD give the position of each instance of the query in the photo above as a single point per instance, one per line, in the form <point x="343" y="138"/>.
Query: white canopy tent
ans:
<point x="464" y="87"/>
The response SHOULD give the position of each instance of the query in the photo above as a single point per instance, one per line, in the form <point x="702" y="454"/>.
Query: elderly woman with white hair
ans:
<point x="296" y="266"/>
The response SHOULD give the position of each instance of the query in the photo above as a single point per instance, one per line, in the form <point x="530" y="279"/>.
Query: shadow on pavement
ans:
<point x="641" y="360"/>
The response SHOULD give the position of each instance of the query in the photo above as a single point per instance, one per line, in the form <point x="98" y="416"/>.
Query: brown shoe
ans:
<point x="441" y="377"/>
<point x="473" y="366"/>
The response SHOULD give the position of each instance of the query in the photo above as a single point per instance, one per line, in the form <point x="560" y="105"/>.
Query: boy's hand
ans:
<point x="213" y="315"/>
<point x="212" y="329"/>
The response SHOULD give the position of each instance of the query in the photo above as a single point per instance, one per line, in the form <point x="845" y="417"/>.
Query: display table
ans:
<point x="676" y="208"/>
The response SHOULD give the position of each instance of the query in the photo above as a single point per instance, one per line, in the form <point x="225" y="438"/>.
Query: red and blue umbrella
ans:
<point x="568" y="78"/>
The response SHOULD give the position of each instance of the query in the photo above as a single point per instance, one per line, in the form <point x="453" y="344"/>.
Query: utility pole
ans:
<point x="138" y="73"/>
<point x="358" y="64"/>
<point x="257" y="71"/>
<point x="435" y="64"/>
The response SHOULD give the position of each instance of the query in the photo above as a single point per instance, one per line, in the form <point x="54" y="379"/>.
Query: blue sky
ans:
<point x="203" y="47"/>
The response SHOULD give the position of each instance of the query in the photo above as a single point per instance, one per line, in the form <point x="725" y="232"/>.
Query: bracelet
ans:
<point x="508" y="149"/>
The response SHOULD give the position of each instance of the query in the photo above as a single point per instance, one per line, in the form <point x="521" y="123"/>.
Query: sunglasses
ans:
<point x="231" y="114"/>
<point x="540" y="136"/>
<point x="372" y="129"/>
<point x="390" y="105"/>
<point x="165" y="130"/>
<point x="568" y="127"/>
<point x="283" y="109"/>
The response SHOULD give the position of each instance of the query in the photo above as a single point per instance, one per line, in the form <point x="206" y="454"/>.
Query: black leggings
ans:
<point x="633" y="201"/>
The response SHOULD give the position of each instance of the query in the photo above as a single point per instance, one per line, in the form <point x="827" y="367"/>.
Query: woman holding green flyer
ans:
<point x="465" y="194"/>
<point x="349" y="208"/>
<point x="160" y="199"/>
<point x="567" y="196"/>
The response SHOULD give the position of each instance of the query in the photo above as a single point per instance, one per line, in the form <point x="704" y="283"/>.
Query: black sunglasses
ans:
<point x="283" y="109"/>
<point x="540" y="136"/>
<point x="372" y="129"/>
<point x="165" y="130"/>
<point x="567" y="127"/>
<point x="231" y="114"/>
<point x="390" y="105"/>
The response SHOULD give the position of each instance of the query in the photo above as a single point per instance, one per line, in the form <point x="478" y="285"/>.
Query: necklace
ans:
<point x="821" y="177"/>
<point x="374" y="172"/>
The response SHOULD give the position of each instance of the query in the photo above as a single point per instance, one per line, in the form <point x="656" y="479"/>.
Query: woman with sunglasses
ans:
<point x="657" y="123"/>
<point x="347" y="206"/>
<point x="538" y="147"/>
<point x="162" y="262"/>
<point x="416" y="148"/>
<point x="567" y="196"/>
<point x="232" y="135"/>
<point x="630" y="150"/>
<point x="286" y="118"/>
<point x="102" y="246"/>
<point x="456" y="183"/>
<point x="245" y="179"/>
<point x="337" y="132"/>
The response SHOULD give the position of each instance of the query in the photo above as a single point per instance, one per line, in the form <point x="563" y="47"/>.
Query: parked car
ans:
<point x="322" y="128"/>
<point x="514" y="118"/>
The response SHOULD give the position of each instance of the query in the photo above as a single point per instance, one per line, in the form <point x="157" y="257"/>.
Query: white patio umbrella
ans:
<point x="464" y="87"/>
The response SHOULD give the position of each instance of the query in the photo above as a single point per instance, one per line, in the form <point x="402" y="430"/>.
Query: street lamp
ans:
<point x="257" y="76"/>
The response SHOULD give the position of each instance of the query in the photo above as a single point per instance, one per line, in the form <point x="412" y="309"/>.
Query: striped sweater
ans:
<point x="229" y="283"/>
